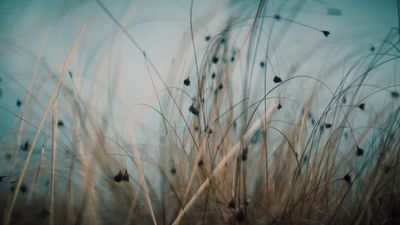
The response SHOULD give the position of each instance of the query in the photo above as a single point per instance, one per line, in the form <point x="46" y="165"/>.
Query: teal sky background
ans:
<point x="47" y="29"/>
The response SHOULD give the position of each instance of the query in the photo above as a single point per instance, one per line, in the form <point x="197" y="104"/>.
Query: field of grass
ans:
<point x="263" y="115"/>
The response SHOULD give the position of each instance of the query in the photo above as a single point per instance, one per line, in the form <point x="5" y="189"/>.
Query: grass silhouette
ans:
<point x="239" y="139"/>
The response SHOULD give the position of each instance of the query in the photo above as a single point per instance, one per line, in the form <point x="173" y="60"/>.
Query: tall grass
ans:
<point x="247" y="133"/>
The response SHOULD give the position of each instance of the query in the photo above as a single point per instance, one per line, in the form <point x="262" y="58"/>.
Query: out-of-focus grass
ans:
<point x="239" y="142"/>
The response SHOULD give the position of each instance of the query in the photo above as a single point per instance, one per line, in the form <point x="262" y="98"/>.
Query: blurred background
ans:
<point x="42" y="41"/>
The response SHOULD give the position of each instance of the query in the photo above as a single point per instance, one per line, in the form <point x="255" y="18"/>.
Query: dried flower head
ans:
<point x="118" y="177"/>
<point x="186" y="82"/>
<point x="277" y="79"/>
<point x="360" y="151"/>
<point x="347" y="178"/>
<point x="193" y="110"/>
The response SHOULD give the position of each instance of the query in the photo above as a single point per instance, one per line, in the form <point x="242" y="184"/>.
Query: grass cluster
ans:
<point x="239" y="141"/>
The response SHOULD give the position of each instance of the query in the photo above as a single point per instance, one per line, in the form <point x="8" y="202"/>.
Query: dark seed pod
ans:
<point x="173" y="170"/>
<point x="305" y="158"/>
<point x="279" y="106"/>
<point x="321" y="128"/>
<point x="277" y="17"/>
<point x="25" y="146"/>
<point x="277" y="79"/>
<point x="18" y="103"/>
<point x="394" y="94"/>
<point x="186" y="82"/>
<point x="361" y="106"/>
<point x="328" y="125"/>
<point x="125" y="177"/>
<point x="23" y="188"/>
<point x="360" y="151"/>
<point x="200" y="163"/>
<point x="244" y="154"/>
<point x="207" y="38"/>
<point x="215" y="60"/>
<point x="326" y="33"/>
<point x="372" y="49"/>
<point x="60" y="123"/>
<point x="347" y="178"/>
<point x="193" y="110"/>
<point x="118" y="177"/>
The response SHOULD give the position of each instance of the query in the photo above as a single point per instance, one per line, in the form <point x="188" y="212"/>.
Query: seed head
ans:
<point x="277" y="17"/>
<point x="244" y="154"/>
<point x="360" y="151"/>
<point x="326" y="33"/>
<point x="215" y="59"/>
<point x="372" y="49"/>
<point x="321" y="128"/>
<point x="347" y="178"/>
<point x="23" y="188"/>
<point x="186" y="82"/>
<point x="125" y="177"/>
<point x="60" y="123"/>
<point x="193" y="110"/>
<point x="118" y="178"/>
<point x="277" y="79"/>
<point x="25" y="146"/>
<point x="361" y="106"/>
